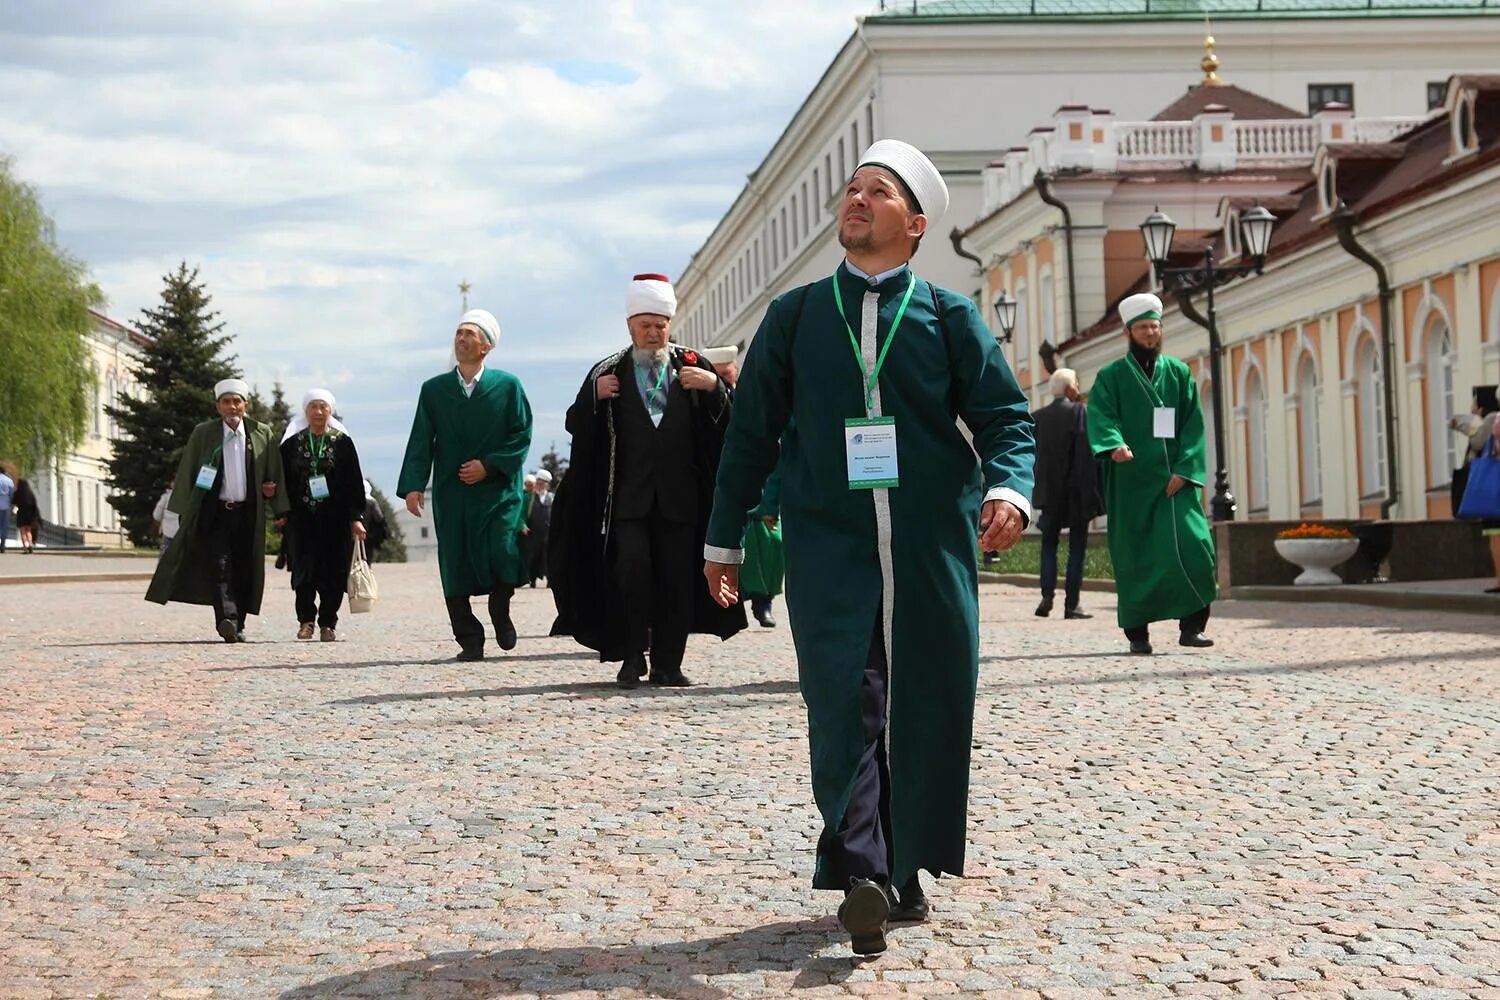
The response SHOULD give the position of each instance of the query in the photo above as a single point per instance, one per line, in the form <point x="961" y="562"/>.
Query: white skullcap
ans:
<point x="721" y="355"/>
<point x="1062" y="380"/>
<point x="1141" y="306"/>
<point x="916" y="171"/>
<point x="650" y="293"/>
<point x="231" y="386"/>
<point x="543" y="476"/>
<point x="530" y="477"/>
<point x="485" y="321"/>
<point x="312" y="395"/>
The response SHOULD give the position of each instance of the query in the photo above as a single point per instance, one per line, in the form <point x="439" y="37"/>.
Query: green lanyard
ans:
<point x="317" y="457"/>
<point x="218" y="450"/>
<point x="872" y="378"/>
<point x="656" y="388"/>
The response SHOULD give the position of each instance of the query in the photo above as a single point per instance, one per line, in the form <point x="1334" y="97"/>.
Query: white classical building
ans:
<point x="417" y="533"/>
<point x="967" y="79"/>
<point x="72" y="492"/>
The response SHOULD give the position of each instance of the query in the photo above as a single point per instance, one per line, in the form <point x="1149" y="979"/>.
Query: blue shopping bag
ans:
<point x="1482" y="494"/>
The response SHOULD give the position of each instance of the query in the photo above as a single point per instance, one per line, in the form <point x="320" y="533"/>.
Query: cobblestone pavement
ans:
<point x="1308" y="809"/>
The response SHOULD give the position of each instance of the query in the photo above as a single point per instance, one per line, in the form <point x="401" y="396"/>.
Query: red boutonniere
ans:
<point x="690" y="357"/>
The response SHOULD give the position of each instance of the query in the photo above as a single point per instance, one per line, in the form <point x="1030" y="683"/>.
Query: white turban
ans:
<point x="485" y="321"/>
<point x="231" y="386"/>
<point x="543" y="476"/>
<point x="650" y="293"/>
<point x="721" y="355"/>
<point x="299" y="422"/>
<point x="1137" y="307"/>
<point x="916" y="171"/>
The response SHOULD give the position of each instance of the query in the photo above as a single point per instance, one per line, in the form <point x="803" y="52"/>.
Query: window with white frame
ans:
<point x="1255" y="418"/>
<point x="1048" y="309"/>
<point x="1442" y="444"/>
<point x="1310" y="443"/>
<point x="1019" y="332"/>
<point x="1371" y="418"/>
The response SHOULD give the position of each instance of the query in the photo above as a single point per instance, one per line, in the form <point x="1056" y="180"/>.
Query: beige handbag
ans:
<point x="362" y="589"/>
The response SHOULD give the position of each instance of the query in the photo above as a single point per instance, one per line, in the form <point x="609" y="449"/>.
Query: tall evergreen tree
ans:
<point x="46" y="376"/>
<point x="555" y="464"/>
<point x="275" y="414"/>
<point x="176" y="373"/>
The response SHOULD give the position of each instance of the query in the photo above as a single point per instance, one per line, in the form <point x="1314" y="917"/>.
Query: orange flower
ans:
<point x="1308" y="529"/>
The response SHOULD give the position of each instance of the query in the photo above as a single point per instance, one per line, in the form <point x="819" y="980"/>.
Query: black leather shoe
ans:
<point x="1076" y="613"/>
<point x="631" y="671"/>
<point x="764" y="617"/>
<point x="227" y="630"/>
<point x="863" y="914"/>
<point x="1044" y="609"/>
<point x="676" y="679"/>
<point x="911" y="906"/>
<point x="469" y="654"/>
<point x="506" y="635"/>
<point x="1140" y="647"/>
<point x="1196" y="641"/>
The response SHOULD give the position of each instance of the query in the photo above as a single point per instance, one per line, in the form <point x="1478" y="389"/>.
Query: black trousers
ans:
<point x="1051" y="526"/>
<point x="228" y="538"/>
<point x="861" y="847"/>
<point x="321" y="603"/>
<point x="536" y="554"/>
<point x="1191" y="625"/>
<point x="467" y="629"/>
<point x="657" y="568"/>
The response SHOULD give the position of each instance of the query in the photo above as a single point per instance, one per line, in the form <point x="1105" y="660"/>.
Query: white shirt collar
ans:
<point x="875" y="279"/>
<point x="234" y="431"/>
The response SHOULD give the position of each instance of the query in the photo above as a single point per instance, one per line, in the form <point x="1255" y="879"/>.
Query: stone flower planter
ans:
<point x="1317" y="557"/>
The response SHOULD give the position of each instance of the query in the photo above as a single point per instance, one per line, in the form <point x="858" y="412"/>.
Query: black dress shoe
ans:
<point x="863" y="914"/>
<point x="765" y="619"/>
<point x="469" y="654"/>
<point x="1141" y="647"/>
<point x="676" y="679"/>
<point x="631" y="671"/>
<point x="228" y="631"/>
<point x="1196" y="641"/>
<point x="506" y="636"/>
<point x="1076" y="613"/>
<point x="1044" y="609"/>
<point x="911" y="906"/>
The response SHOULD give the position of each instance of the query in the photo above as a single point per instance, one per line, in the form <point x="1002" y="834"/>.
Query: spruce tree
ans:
<point x="176" y="374"/>
<point x="555" y="464"/>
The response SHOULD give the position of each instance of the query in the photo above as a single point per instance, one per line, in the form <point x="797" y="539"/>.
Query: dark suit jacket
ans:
<point x="1066" y="476"/>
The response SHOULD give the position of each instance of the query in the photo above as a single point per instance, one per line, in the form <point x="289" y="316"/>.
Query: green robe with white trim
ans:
<point x="801" y="368"/>
<point x="1162" y="547"/>
<point x="478" y="526"/>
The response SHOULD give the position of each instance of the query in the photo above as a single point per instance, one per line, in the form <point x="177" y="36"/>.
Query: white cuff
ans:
<point x="1012" y="497"/>
<point x="732" y="557"/>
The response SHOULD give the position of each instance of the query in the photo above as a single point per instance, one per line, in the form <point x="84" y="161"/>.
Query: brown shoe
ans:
<point x="328" y="635"/>
<point x="305" y="630"/>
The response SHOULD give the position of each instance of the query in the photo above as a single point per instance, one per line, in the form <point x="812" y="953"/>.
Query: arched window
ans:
<point x="1255" y="416"/>
<point x="1048" y="308"/>
<point x="1309" y="441"/>
<point x="1367" y="376"/>
<point x="1442" y="444"/>
<point x="1020" y="332"/>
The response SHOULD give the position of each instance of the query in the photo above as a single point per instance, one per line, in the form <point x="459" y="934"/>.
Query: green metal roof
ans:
<point x="927" y="11"/>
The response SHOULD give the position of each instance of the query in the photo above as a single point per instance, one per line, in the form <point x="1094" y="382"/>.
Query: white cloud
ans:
<point x="335" y="167"/>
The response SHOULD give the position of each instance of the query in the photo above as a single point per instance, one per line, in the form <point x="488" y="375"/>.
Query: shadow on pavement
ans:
<point x="1402" y="621"/>
<point x="1211" y="670"/>
<point x="578" y="689"/>
<point x="214" y="641"/>
<point x="363" y="664"/>
<point x="668" y="968"/>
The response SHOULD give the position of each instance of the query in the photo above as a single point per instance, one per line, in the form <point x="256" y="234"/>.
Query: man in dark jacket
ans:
<point x="630" y="516"/>
<point x="1066" y="489"/>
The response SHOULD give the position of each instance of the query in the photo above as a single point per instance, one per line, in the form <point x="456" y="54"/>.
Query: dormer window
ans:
<point x="1328" y="191"/>
<point x="1232" y="234"/>
<point x="1465" y="136"/>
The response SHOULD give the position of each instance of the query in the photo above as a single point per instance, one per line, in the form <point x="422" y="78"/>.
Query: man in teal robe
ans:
<point x="882" y="581"/>
<point x="1146" y="418"/>
<point x="471" y="434"/>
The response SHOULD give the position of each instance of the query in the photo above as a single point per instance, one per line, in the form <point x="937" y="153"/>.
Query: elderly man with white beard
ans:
<point x="630" y="516"/>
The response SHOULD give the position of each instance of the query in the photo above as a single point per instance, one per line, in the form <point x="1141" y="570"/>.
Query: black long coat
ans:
<point x="581" y="544"/>
<point x="320" y="541"/>
<point x="1067" y="482"/>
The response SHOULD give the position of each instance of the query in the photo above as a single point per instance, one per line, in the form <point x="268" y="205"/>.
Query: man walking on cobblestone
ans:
<point x="1145" y="415"/>
<point x="470" y="434"/>
<point x="230" y="470"/>
<point x="882" y="580"/>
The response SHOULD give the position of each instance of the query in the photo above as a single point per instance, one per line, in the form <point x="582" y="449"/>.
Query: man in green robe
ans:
<point x="882" y="581"/>
<point x="230" y="469"/>
<point x="765" y="562"/>
<point x="471" y="434"/>
<point x="1145" y="416"/>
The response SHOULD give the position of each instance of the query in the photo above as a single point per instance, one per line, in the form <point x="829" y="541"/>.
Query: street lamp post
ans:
<point x="1005" y="312"/>
<point x="1157" y="232"/>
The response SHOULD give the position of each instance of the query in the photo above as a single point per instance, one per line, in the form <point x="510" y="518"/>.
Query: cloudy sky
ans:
<point x="336" y="167"/>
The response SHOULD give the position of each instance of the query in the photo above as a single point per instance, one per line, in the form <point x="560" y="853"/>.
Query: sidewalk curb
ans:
<point x="1035" y="582"/>
<point x="1372" y="595"/>
<point x="6" y="581"/>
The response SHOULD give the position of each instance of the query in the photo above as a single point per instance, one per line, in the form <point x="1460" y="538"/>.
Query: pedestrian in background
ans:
<point x="7" y="500"/>
<point x="1066" y="492"/>
<point x="28" y="516"/>
<point x="1481" y="426"/>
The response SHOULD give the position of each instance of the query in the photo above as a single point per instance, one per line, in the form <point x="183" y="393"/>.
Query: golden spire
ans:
<point x="1210" y="62"/>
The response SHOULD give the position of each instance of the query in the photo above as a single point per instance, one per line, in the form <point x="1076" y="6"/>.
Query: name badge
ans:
<point x="206" y="477"/>
<point x="870" y="448"/>
<point x="318" y="487"/>
<point x="1164" y="422"/>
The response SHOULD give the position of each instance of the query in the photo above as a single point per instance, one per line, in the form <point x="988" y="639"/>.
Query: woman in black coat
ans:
<point x="28" y="515"/>
<point x="327" y="493"/>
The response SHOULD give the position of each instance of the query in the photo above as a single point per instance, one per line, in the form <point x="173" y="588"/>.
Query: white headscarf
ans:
<point x="299" y="422"/>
